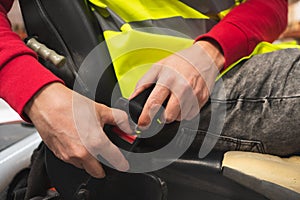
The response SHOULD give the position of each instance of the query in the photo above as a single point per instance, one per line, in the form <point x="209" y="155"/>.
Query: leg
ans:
<point x="262" y="105"/>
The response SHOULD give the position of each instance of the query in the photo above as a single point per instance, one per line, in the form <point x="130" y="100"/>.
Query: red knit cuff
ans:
<point x="21" y="78"/>
<point x="232" y="40"/>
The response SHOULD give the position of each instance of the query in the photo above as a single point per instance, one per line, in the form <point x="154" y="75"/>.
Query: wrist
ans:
<point x="46" y="99"/>
<point x="214" y="50"/>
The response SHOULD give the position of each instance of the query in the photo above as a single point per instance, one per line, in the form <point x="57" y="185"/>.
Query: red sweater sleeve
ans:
<point x="21" y="75"/>
<point x="247" y="25"/>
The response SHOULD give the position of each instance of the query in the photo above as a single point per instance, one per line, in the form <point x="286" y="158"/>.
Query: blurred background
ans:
<point x="16" y="19"/>
<point x="292" y="31"/>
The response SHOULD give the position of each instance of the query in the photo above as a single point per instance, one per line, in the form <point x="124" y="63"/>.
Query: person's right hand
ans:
<point x="71" y="126"/>
<point x="184" y="79"/>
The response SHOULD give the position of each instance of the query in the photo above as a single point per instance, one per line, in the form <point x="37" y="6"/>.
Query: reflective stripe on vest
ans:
<point x="140" y="33"/>
<point x="263" y="47"/>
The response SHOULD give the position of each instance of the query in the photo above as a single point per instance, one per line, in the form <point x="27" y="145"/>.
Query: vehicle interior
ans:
<point x="71" y="29"/>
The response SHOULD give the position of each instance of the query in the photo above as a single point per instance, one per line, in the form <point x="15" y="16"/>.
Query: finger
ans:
<point x="158" y="95"/>
<point x="173" y="109"/>
<point x="80" y="158"/>
<point x="114" y="117"/>
<point x="93" y="167"/>
<point x="194" y="111"/>
<point x="190" y="109"/>
<point x="179" y="118"/>
<point x="146" y="81"/>
<point x="139" y="89"/>
<point x="121" y="120"/>
<point x="112" y="154"/>
<point x="102" y="145"/>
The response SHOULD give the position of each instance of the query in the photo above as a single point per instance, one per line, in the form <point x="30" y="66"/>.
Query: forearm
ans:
<point x="247" y="25"/>
<point x="21" y="75"/>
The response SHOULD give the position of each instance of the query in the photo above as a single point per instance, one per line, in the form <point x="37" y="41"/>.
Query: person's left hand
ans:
<point x="185" y="78"/>
<point x="71" y="125"/>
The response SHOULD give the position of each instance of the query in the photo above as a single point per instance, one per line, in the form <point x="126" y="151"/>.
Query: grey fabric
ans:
<point x="210" y="7"/>
<point x="176" y="26"/>
<point x="262" y="105"/>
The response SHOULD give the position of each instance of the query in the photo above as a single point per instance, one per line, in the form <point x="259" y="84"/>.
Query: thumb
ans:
<point x="113" y="117"/>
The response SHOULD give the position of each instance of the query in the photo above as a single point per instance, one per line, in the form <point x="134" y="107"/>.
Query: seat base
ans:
<point x="272" y="176"/>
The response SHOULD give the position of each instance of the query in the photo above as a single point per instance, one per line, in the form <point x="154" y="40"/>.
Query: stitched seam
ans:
<point x="253" y="100"/>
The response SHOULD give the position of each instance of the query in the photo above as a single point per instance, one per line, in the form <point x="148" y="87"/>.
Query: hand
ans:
<point x="71" y="126"/>
<point x="185" y="78"/>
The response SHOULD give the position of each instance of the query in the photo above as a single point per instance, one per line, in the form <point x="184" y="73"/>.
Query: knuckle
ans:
<point x="68" y="158"/>
<point x="80" y="154"/>
<point x="206" y="95"/>
<point x="198" y="92"/>
<point x="157" y="66"/>
<point x="183" y="91"/>
<point x="193" y="80"/>
<point x="203" y="98"/>
<point x="151" y="102"/>
<point x="76" y="153"/>
<point x="190" y="83"/>
<point x="172" y="77"/>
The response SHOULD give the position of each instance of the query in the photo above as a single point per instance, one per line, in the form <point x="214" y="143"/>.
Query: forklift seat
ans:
<point x="71" y="29"/>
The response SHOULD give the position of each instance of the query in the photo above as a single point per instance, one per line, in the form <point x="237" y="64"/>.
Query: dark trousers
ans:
<point x="262" y="104"/>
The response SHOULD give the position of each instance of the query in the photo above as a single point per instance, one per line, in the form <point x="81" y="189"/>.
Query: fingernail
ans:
<point x="124" y="166"/>
<point x="143" y="124"/>
<point x="101" y="175"/>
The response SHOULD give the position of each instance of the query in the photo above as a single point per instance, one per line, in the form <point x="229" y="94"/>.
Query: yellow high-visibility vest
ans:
<point x="138" y="33"/>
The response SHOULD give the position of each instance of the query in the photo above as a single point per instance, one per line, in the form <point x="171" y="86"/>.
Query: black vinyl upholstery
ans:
<point x="69" y="27"/>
